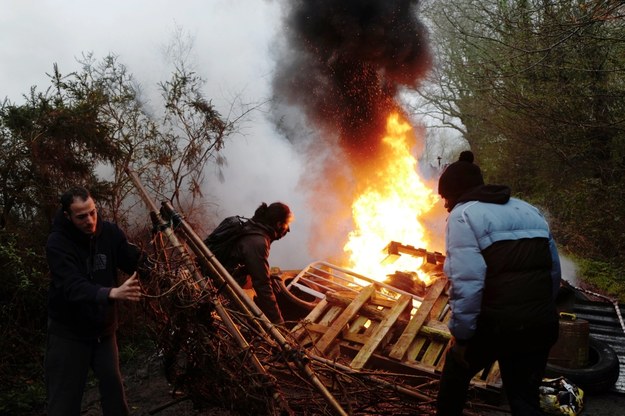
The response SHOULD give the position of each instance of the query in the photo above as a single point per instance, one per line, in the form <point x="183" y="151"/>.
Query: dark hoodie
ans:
<point x="250" y="257"/>
<point x="83" y="270"/>
<point x="493" y="194"/>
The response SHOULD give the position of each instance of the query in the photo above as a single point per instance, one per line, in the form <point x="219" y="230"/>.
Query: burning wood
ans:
<point x="220" y="349"/>
<point x="390" y="206"/>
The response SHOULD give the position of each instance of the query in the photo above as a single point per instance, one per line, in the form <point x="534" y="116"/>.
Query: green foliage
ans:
<point x="24" y="396"/>
<point x="24" y="287"/>
<point x="95" y="118"/>
<point x="134" y="346"/>
<point x="86" y="121"/>
<point x="23" y="313"/>
<point x="590" y="219"/>
<point x="538" y="88"/>
<point x="607" y="278"/>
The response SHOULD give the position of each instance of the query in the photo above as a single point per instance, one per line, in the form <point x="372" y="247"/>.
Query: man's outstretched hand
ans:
<point x="129" y="290"/>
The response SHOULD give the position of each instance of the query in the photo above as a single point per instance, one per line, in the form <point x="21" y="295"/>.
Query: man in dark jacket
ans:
<point x="83" y="254"/>
<point x="249" y="260"/>
<point x="504" y="271"/>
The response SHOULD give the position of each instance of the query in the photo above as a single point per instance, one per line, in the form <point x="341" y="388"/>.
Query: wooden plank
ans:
<point x="433" y="353"/>
<point x="316" y="328"/>
<point x="330" y="315"/>
<point x="343" y="319"/>
<point x="310" y="333"/>
<point x="441" y="363"/>
<point x="354" y="338"/>
<point x="317" y="311"/>
<point x="299" y="329"/>
<point x="380" y="332"/>
<point x="313" y="331"/>
<point x="433" y="331"/>
<point x="403" y="343"/>
<point x="443" y="324"/>
<point x="319" y="328"/>
<point x="433" y="326"/>
<point x="371" y="309"/>
<point x="386" y="364"/>
<point x="358" y="326"/>
<point x="413" y="351"/>
<point x="440" y="311"/>
<point x="494" y="376"/>
<point x="378" y="301"/>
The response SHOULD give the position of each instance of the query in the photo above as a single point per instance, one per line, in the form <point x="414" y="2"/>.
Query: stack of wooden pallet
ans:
<point x="377" y="329"/>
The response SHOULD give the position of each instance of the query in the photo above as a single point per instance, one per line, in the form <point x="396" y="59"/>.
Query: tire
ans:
<point x="293" y="308"/>
<point x="598" y="376"/>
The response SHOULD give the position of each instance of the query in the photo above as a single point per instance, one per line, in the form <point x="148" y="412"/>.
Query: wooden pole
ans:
<point x="258" y="315"/>
<point x="158" y="221"/>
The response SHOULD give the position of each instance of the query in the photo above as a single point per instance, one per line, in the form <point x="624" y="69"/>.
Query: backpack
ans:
<point x="222" y="239"/>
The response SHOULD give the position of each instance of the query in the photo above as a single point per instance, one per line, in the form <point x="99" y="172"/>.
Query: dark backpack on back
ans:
<point x="222" y="239"/>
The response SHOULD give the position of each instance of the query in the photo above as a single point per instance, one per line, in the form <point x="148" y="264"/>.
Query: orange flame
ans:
<point x="389" y="208"/>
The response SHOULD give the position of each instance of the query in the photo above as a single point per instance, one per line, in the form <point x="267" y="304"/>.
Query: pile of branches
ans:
<point x="247" y="368"/>
<point x="220" y="350"/>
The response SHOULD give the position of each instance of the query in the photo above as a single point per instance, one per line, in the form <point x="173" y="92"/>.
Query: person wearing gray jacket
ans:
<point x="504" y="273"/>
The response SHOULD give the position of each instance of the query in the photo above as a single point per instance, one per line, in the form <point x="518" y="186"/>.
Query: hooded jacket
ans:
<point x="83" y="270"/>
<point x="250" y="258"/>
<point x="502" y="263"/>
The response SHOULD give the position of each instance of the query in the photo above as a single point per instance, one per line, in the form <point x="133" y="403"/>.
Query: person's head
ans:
<point x="276" y="215"/>
<point x="458" y="178"/>
<point x="79" y="207"/>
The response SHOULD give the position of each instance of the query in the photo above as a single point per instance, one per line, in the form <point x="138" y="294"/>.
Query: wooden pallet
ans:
<point x="373" y="331"/>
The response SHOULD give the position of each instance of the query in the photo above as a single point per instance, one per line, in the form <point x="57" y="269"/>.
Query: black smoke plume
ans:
<point x="343" y="62"/>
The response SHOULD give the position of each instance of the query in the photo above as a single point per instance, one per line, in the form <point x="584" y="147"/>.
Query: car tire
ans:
<point x="293" y="308"/>
<point x="598" y="376"/>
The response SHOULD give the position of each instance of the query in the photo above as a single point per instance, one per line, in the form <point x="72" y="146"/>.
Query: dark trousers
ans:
<point x="67" y="365"/>
<point x="522" y="360"/>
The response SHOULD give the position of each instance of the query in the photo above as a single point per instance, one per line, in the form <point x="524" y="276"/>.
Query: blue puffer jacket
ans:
<point x="502" y="263"/>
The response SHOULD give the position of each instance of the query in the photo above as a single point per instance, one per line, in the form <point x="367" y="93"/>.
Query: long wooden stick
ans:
<point x="204" y="284"/>
<point x="258" y="315"/>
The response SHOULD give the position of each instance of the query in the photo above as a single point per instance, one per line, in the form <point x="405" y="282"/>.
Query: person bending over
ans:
<point x="248" y="262"/>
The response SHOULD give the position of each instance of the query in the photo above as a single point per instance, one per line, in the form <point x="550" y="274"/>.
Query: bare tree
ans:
<point x="536" y="87"/>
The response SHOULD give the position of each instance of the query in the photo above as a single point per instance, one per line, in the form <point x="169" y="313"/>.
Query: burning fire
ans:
<point x="389" y="208"/>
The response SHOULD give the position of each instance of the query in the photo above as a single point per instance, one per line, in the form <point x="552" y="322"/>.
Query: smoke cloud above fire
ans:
<point x="339" y="68"/>
<point x="342" y="63"/>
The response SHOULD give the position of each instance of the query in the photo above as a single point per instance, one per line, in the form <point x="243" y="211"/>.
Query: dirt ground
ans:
<point x="607" y="404"/>
<point x="149" y="394"/>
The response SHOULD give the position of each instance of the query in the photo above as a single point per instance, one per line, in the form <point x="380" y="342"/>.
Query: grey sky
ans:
<point x="231" y="37"/>
<point x="231" y="51"/>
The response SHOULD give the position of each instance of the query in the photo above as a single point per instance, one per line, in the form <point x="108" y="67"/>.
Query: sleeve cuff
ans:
<point x="103" y="295"/>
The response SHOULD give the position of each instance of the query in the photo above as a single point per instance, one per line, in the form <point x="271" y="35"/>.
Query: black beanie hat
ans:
<point x="459" y="177"/>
